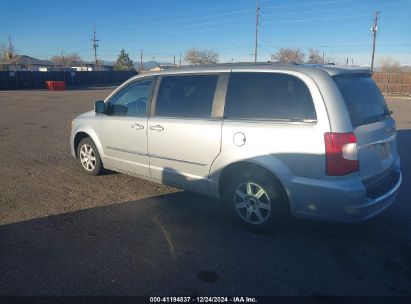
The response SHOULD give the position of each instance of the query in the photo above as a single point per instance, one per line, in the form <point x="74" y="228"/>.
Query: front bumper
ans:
<point x="72" y="150"/>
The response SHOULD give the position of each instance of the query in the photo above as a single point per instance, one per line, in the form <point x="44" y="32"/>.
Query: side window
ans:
<point x="268" y="96"/>
<point x="131" y="100"/>
<point x="186" y="96"/>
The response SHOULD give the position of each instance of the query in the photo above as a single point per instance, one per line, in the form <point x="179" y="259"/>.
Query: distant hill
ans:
<point x="404" y="68"/>
<point x="150" y="64"/>
<point x="147" y="64"/>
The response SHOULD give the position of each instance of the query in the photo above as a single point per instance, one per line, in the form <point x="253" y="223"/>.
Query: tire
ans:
<point x="257" y="201"/>
<point x="89" y="157"/>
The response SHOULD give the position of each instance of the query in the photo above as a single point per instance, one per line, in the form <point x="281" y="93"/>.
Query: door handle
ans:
<point x="157" y="128"/>
<point x="137" y="126"/>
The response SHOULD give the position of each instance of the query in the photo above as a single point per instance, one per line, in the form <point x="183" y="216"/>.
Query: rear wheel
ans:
<point x="89" y="157"/>
<point x="256" y="200"/>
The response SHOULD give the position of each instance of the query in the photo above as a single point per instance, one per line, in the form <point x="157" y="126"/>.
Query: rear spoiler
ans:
<point x="334" y="70"/>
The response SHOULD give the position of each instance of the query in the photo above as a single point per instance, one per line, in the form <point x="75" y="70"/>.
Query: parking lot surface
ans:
<point x="63" y="232"/>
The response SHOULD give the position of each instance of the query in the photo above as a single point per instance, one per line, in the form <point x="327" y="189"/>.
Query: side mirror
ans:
<point x="99" y="106"/>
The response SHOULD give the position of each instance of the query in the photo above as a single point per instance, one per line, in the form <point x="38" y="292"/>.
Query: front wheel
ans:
<point x="256" y="200"/>
<point x="89" y="157"/>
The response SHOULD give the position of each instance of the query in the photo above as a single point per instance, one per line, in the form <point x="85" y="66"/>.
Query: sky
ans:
<point x="163" y="29"/>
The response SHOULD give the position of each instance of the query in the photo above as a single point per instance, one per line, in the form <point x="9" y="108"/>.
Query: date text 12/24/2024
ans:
<point x="203" y="300"/>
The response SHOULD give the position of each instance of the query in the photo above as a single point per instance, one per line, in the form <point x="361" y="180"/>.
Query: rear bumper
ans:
<point x="338" y="201"/>
<point x="376" y="205"/>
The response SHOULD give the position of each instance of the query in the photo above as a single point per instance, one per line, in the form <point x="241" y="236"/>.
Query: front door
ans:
<point x="123" y="130"/>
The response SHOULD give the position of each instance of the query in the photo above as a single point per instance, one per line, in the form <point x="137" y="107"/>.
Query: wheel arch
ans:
<point x="252" y="168"/>
<point x="77" y="139"/>
<point x="84" y="133"/>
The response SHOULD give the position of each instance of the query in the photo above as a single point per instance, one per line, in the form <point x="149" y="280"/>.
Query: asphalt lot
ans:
<point x="63" y="232"/>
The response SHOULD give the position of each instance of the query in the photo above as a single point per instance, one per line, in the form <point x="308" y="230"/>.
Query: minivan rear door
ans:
<point x="183" y="136"/>
<point x="373" y="126"/>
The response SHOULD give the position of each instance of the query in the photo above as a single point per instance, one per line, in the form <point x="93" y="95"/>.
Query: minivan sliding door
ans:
<point x="183" y="136"/>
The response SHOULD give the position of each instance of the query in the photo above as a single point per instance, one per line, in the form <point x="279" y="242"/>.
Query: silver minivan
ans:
<point x="269" y="139"/>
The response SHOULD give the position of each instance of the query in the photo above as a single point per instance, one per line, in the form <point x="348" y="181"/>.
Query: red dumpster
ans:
<point x="55" y="85"/>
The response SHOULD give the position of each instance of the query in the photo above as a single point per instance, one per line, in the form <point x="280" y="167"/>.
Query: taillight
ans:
<point x="341" y="153"/>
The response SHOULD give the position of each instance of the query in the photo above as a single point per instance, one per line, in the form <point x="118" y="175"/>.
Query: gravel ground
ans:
<point x="63" y="232"/>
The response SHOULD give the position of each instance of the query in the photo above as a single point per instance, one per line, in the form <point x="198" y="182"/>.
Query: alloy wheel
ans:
<point x="252" y="203"/>
<point x="87" y="157"/>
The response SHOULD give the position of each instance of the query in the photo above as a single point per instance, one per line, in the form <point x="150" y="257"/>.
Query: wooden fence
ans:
<point x="394" y="83"/>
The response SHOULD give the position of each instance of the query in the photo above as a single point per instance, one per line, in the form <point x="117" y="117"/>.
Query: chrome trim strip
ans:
<point x="154" y="155"/>
<point x="391" y="192"/>
<point x="379" y="142"/>
<point x="271" y="121"/>
<point x="178" y="160"/>
<point x="127" y="151"/>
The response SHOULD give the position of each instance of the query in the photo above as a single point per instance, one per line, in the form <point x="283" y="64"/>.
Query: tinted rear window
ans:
<point x="268" y="96"/>
<point x="186" y="96"/>
<point x="364" y="100"/>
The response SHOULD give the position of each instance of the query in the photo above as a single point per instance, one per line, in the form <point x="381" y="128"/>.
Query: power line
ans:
<point x="183" y="20"/>
<point x="331" y="18"/>
<point x="306" y="4"/>
<point x="390" y="5"/>
<point x="177" y="27"/>
<point x="229" y="6"/>
<point x="317" y="19"/>
<point x="147" y="32"/>
<point x="374" y="30"/>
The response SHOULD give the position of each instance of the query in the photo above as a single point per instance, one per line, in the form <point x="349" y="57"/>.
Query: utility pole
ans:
<point x="141" y="60"/>
<point x="257" y="15"/>
<point x="323" y="58"/>
<point x="374" y="30"/>
<point x="174" y="60"/>
<point x="180" y="59"/>
<point x="95" y="45"/>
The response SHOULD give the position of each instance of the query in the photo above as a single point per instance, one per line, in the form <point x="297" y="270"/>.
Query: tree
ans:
<point x="73" y="59"/>
<point x="288" y="55"/>
<point x="314" y="56"/>
<point x="68" y="60"/>
<point x="58" y="60"/>
<point x="123" y="62"/>
<point x="196" y="56"/>
<point x="389" y="64"/>
<point x="3" y="51"/>
<point x="7" y="51"/>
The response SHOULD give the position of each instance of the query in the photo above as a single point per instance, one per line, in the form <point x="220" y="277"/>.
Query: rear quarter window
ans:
<point x="364" y="101"/>
<point x="268" y="96"/>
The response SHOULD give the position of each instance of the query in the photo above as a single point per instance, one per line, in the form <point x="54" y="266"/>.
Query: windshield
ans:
<point x="364" y="100"/>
